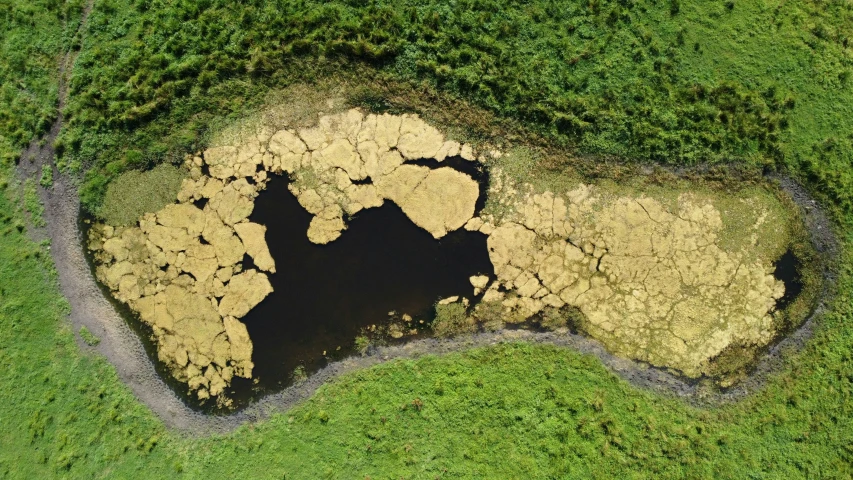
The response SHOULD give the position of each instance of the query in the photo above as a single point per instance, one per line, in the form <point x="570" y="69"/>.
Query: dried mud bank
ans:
<point x="651" y="277"/>
<point x="181" y="268"/>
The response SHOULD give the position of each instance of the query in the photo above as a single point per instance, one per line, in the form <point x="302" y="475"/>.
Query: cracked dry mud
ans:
<point x="180" y="268"/>
<point x="651" y="280"/>
<point x="650" y="277"/>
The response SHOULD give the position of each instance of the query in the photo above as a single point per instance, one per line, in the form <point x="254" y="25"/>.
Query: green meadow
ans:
<point x="761" y="85"/>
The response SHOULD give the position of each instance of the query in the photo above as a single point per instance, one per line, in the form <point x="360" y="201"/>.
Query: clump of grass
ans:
<point x="526" y="165"/>
<point x="491" y="315"/>
<point x="732" y="364"/>
<point x="33" y="204"/>
<point x="46" y="180"/>
<point x="553" y="318"/>
<point x="299" y="374"/>
<point x="323" y="416"/>
<point x="362" y="343"/>
<point x="451" y="320"/>
<point x="88" y="337"/>
<point x="135" y="193"/>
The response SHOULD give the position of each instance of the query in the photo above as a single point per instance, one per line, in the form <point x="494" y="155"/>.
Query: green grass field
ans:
<point x="762" y="83"/>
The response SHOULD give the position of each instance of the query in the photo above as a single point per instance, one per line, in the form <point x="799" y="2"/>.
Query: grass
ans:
<point x="362" y="344"/>
<point x="134" y="193"/>
<point x="763" y="84"/>
<point x="88" y="337"/>
<point x="34" y="33"/>
<point x="683" y="82"/>
<point x="451" y="319"/>
<point x="32" y="204"/>
<point x="46" y="179"/>
<point x="70" y="408"/>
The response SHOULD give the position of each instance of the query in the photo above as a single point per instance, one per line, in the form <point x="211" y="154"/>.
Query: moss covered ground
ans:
<point x="762" y="84"/>
<point x="135" y="193"/>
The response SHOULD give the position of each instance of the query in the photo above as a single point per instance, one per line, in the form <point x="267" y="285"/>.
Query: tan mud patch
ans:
<point x="648" y="274"/>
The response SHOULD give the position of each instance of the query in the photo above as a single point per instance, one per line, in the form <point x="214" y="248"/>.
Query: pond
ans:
<point x="787" y="269"/>
<point x="326" y="295"/>
<point x="385" y="271"/>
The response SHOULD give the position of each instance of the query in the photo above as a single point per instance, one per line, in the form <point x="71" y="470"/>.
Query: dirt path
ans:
<point x="89" y="307"/>
<point x="122" y="347"/>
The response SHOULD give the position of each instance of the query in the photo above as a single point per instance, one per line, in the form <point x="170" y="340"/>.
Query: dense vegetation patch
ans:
<point x="678" y="82"/>
<point x="32" y="35"/>
<point x="135" y="193"/>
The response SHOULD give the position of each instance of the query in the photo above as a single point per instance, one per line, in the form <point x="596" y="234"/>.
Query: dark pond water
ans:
<point x="788" y="271"/>
<point x="326" y="295"/>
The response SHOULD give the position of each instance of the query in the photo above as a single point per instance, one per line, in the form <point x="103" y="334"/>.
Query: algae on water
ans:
<point x="651" y="276"/>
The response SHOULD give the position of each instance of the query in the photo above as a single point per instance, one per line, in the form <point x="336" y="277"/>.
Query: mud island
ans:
<point x="654" y="276"/>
